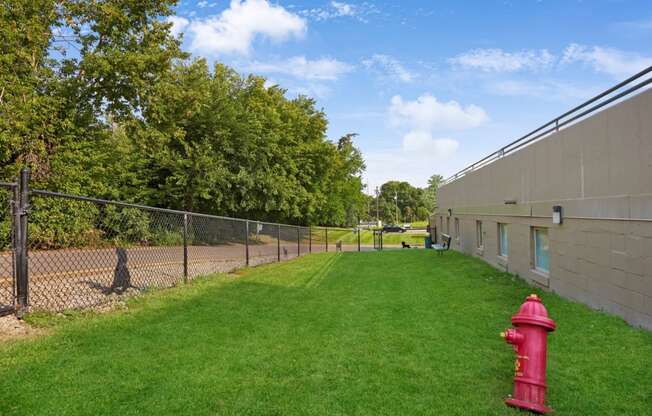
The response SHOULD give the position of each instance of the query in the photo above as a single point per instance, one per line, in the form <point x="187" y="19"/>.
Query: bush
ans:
<point x="61" y="223"/>
<point x="164" y="237"/>
<point x="124" y="226"/>
<point x="5" y="221"/>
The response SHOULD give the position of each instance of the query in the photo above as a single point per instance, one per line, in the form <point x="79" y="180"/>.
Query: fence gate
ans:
<point x="378" y="239"/>
<point x="7" y="261"/>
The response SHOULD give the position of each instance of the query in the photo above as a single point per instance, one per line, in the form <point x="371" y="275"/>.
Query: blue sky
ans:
<point x="429" y="86"/>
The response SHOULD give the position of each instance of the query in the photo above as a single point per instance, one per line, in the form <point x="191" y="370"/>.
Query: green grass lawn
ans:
<point x="376" y="333"/>
<point x="420" y="224"/>
<point x="367" y="237"/>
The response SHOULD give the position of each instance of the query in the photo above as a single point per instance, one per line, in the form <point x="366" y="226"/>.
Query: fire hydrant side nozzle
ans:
<point x="512" y="336"/>
<point x="529" y="339"/>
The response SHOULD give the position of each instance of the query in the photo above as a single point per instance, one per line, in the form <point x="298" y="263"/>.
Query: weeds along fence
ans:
<point x="60" y="251"/>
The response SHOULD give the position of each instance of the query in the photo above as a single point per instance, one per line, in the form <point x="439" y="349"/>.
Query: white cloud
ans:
<point x="202" y="4"/>
<point x="420" y="153"/>
<point x="234" y="30"/>
<point x="614" y="62"/>
<point x="337" y="9"/>
<point x="542" y="89"/>
<point x="343" y="9"/>
<point x="426" y="113"/>
<point x="497" y="60"/>
<point x="325" y="69"/>
<point x="421" y="142"/>
<point x="310" y="76"/>
<point x="418" y="157"/>
<point x="388" y="66"/>
<point x="269" y="83"/>
<point x="312" y="89"/>
<point x="178" y="24"/>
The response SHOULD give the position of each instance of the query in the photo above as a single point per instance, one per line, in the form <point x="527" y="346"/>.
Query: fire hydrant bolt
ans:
<point x="529" y="340"/>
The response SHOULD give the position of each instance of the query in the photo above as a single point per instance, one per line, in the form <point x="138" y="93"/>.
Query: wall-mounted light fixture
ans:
<point x="510" y="202"/>
<point x="557" y="217"/>
<point x="450" y="212"/>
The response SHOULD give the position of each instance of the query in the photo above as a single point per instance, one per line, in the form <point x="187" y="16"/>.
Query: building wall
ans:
<point x="600" y="171"/>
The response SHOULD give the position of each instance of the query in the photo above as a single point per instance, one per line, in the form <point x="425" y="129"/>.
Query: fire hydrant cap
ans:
<point x="532" y="312"/>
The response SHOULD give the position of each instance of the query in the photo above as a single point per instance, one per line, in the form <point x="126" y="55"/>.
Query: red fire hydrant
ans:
<point x="529" y="340"/>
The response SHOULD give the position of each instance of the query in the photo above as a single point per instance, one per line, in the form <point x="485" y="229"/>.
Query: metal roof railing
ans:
<point x="571" y="116"/>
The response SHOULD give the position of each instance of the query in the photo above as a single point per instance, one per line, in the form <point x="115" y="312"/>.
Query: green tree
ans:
<point x="344" y="202"/>
<point x="33" y="115"/>
<point x="402" y="202"/>
<point x="69" y="71"/>
<point x="430" y="192"/>
<point x="98" y="99"/>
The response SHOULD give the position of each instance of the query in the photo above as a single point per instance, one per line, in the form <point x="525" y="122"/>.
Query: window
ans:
<point x="541" y="249"/>
<point x="457" y="229"/>
<point x="478" y="232"/>
<point x="503" y="245"/>
<point x="448" y="226"/>
<point x="441" y="225"/>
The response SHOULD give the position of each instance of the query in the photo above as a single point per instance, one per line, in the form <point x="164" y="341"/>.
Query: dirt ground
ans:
<point x="13" y="328"/>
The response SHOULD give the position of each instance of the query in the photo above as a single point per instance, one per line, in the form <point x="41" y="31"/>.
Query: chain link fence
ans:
<point x="7" y="286"/>
<point x="83" y="252"/>
<point x="344" y="239"/>
<point x="318" y="239"/>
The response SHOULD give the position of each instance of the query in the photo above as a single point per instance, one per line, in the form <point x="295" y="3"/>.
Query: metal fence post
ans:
<point x="21" y="205"/>
<point x="185" y="247"/>
<point x="16" y="245"/>
<point x="358" y="238"/>
<point x="298" y="241"/>
<point x="326" y="239"/>
<point x="247" y="242"/>
<point x="278" y="241"/>
<point x="310" y="239"/>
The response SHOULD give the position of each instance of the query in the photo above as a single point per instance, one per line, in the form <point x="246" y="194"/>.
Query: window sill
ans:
<point x="541" y="277"/>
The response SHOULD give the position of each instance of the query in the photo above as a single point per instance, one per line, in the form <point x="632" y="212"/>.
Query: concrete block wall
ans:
<point x="600" y="171"/>
<point x="606" y="264"/>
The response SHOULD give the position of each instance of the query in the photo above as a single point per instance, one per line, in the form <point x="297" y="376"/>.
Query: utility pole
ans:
<point x="377" y="202"/>
<point x="396" y="201"/>
<point x="368" y="213"/>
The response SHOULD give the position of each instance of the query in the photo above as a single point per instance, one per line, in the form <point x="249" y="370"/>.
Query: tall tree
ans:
<point x="70" y="70"/>
<point x="402" y="202"/>
<point x="430" y="192"/>
<point x="33" y="117"/>
<point x="98" y="99"/>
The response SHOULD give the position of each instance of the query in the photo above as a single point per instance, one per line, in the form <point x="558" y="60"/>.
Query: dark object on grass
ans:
<point x="121" y="275"/>
<point x="405" y="245"/>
